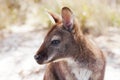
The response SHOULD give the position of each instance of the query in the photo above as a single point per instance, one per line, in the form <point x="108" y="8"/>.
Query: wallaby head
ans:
<point x="60" y="41"/>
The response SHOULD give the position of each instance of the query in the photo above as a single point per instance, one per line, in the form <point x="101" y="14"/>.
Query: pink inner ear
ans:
<point x="67" y="17"/>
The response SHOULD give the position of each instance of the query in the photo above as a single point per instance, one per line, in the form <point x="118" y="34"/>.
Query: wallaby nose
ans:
<point x="36" y="57"/>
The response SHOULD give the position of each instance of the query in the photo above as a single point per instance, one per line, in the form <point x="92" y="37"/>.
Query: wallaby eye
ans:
<point x="55" y="42"/>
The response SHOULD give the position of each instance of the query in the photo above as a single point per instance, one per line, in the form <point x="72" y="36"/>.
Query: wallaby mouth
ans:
<point x="41" y="58"/>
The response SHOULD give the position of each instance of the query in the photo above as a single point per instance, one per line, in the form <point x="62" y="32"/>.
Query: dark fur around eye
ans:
<point x="55" y="42"/>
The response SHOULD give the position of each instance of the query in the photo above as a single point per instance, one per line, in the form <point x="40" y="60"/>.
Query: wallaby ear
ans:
<point x="56" y="18"/>
<point x="67" y="18"/>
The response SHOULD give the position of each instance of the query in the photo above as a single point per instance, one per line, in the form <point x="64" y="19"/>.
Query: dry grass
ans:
<point x="94" y="15"/>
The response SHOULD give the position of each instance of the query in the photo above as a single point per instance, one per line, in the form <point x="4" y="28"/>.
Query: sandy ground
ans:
<point x="18" y="48"/>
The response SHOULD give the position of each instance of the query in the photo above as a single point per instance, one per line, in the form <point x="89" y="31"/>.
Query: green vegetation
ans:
<point x="92" y="14"/>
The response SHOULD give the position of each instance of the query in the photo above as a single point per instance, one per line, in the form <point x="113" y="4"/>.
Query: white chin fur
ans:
<point x="49" y="59"/>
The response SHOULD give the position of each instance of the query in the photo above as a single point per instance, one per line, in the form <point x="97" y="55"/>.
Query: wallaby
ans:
<point x="70" y="54"/>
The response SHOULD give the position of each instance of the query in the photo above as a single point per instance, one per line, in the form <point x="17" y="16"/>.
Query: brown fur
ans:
<point x="73" y="45"/>
<point x="58" y="71"/>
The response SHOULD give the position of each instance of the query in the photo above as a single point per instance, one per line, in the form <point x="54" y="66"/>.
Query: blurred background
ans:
<point x="24" y="23"/>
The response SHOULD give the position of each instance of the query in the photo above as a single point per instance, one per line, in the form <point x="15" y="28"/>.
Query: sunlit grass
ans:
<point x="92" y="14"/>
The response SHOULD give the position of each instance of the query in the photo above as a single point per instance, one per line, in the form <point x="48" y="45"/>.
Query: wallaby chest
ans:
<point x="78" y="71"/>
